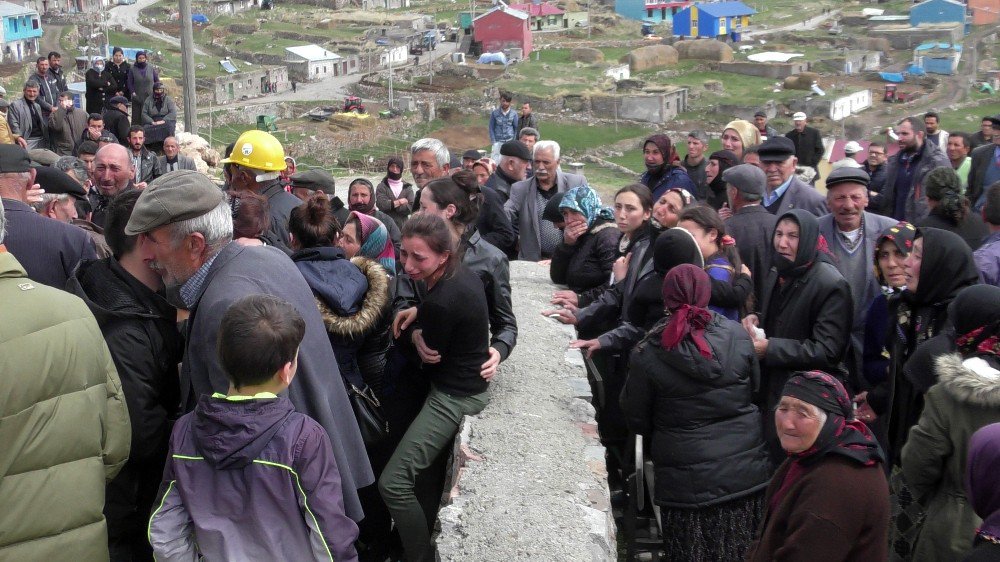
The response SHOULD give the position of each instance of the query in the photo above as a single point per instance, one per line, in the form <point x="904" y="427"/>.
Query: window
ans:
<point x="34" y="24"/>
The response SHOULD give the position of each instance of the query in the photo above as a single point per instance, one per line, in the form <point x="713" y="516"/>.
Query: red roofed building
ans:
<point x="503" y="28"/>
<point x="543" y="16"/>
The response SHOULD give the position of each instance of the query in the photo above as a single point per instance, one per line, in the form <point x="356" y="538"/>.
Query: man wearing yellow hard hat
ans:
<point x="256" y="162"/>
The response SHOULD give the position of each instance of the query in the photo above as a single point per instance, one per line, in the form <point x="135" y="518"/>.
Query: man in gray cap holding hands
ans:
<point x="851" y="233"/>
<point x="190" y="226"/>
<point x="751" y="224"/>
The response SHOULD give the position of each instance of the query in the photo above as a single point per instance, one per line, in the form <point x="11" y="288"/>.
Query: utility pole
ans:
<point x="187" y="67"/>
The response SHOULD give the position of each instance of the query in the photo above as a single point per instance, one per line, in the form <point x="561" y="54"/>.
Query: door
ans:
<point x="229" y="91"/>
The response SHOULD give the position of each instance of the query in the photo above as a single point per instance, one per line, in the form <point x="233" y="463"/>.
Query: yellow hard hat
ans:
<point x="258" y="150"/>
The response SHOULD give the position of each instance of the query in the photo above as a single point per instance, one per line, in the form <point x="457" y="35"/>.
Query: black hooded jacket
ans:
<point x="140" y="329"/>
<point x="946" y="267"/>
<point x="707" y="445"/>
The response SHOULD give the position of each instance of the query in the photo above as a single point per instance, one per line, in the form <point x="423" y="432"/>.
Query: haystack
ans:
<point x="704" y="49"/>
<point x="653" y="57"/>
<point x="586" y="54"/>
<point x="801" y="81"/>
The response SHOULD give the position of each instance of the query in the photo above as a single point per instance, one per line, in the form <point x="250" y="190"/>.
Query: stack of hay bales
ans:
<point x="801" y="81"/>
<point x="872" y="44"/>
<point x="651" y="58"/>
<point x="586" y="55"/>
<point x="704" y="49"/>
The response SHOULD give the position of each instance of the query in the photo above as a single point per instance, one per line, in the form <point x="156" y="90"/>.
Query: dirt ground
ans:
<point x="463" y="137"/>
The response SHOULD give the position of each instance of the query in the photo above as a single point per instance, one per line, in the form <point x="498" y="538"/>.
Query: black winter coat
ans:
<point x="116" y="121"/>
<point x="808" y="327"/>
<point x="586" y="264"/>
<point x="707" y="446"/>
<point x="353" y="298"/>
<point x="101" y="86"/>
<point x="490" y="264"/>
<point x="140" y="329"/>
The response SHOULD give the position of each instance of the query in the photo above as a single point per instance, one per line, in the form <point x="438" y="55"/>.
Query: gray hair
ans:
<point x="73" y="165"/>
<point x="440" y="151"/>
<point x="216" y="226"/>
<point x="529" y="132"/>
<point x="546" y="145"/>
<point x="3" y="222"/>
<point x="47" y="197"/>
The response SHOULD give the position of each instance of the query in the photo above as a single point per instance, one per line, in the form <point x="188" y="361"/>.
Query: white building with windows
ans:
<point x="312" y="62"/>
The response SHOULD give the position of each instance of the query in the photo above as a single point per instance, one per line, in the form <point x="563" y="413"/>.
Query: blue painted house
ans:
<point x="20" y="31"/>
<point x="717" y="20"/>
<point x="655" y="11"/>
<point x="937" y="58"/>
<point x="939" y="12"/>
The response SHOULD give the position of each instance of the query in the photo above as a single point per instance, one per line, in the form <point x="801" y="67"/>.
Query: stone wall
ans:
<point x="530" y="481"/>
<point x="774" y="70"/>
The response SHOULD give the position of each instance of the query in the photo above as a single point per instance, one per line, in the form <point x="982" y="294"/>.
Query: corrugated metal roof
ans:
<point x="501" y="7"/>
<point x="726" y="9"/>
<point x="11" y="9"/>
<point x="544" y="9"/>
<point x="952" y="2"/>
<point x="313" y="53"/>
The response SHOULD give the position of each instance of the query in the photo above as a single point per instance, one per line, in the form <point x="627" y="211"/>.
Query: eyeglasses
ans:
<point x="870" y="153"/>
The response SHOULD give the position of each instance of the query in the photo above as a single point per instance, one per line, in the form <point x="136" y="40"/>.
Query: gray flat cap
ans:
<point x="746" y="178"/>
<point x="316" y="180"/>
<point x="848" y="174"/>
<point x="173" y="197"/>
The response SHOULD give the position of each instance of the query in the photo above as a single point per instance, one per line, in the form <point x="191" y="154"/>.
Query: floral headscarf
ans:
<point x="374" y="239"/>
<point x="587" y="202"/>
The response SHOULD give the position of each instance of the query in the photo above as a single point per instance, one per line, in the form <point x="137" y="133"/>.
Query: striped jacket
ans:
<point x="249" y="478"/>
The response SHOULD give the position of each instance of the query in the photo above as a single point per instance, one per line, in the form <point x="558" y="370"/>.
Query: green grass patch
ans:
<point x="969" y="118"/>
<point x="607" y="181"/>
<point x="576" y="138"/>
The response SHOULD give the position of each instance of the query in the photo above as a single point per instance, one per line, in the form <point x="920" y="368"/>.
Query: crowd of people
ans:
<point x="263" y="370"/>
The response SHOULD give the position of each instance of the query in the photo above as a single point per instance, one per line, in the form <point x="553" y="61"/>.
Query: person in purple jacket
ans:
<point x="248" y="477"/>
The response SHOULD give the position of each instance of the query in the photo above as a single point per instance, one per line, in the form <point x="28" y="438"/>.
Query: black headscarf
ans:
<point x="947" y="267"/>
<point x="975" y="313"/>
<point x="673" y="247"/>
<point x="397" y="161"/>
<point x="717" y="189"/>
<point x="812" y="245"/>
<point x="841" y="434"/>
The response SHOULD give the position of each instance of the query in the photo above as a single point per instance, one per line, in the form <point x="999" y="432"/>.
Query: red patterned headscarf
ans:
<point x="686" y="290"/>
<point x="841" y="434"/>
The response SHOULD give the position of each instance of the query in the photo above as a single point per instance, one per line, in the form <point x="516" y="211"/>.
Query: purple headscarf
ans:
<point x="982" y="478"/>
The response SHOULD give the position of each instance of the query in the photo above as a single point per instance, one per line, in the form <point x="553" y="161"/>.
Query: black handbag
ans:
<point x="368" y="411"/>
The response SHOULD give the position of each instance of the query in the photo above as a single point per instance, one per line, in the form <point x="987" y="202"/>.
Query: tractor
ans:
<point x="353" y="104"/>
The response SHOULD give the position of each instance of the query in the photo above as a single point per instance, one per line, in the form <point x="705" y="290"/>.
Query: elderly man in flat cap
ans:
<point x="851" y="233"/>
<point x="305" y="184"/>
<point x="189" y="224"/>
<point x="750" y="224"/>
<point x="48" y="249"/>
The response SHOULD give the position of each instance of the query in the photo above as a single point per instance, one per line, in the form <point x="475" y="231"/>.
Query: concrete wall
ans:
<point x="649" y="108"/>
<point x="530" y="480"/>
<point x="248" y="84"/>
<point x="910" y="37"/>
<point x="775" y="70"/>
<point x="850" y="104"/>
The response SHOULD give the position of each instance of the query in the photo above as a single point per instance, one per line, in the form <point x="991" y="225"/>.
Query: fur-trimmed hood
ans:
<point x="973" y="380"/>
<point x="374" y="305"/>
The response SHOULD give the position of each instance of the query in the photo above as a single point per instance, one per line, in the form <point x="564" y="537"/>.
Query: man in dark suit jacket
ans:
<point x="808" y="142"/>
<point x="225" y="272"/>
<point x="751" y="225"/>
<point x="527" y="201"/>
<point x="48" y="249"/>
<point x="172" y="160"/>
<point x="784" y="190"/>
<point x="985" y="167"/>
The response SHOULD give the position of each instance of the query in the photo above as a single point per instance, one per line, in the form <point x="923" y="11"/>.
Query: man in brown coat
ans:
<point x="66" y="125"/>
